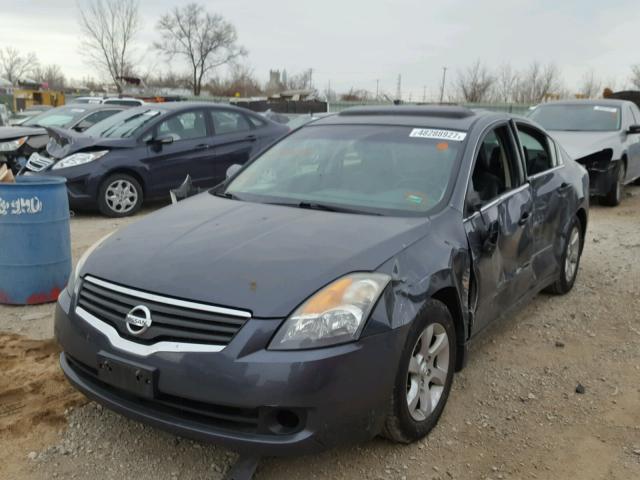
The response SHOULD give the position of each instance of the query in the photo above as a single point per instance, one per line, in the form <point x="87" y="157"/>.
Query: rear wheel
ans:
<point x="120" y="195"/>
<point x="424" y="376"/>
<point x="614" y="196"/>
<point x="570" y="261"/>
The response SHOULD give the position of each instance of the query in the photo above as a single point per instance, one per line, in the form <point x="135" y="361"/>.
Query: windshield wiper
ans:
<point x="332" y="208"/>
<point x="223" y="194"/>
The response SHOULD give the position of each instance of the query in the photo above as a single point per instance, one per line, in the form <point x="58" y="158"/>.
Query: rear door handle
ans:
<point x="564" y="186"/>
<point x="524" y="218"/>
<point x="202" y="146"/>
<point x="251" y="138"/>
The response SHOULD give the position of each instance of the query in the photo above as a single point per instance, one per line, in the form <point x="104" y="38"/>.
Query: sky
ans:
<point x="363" y="43"/>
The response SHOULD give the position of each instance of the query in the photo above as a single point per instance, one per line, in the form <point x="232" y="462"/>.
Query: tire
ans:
<point x="120" y="195"/>
<point x="614" y="195"/>
<point x="569" y="269"/>
<point x="405" y="424"/>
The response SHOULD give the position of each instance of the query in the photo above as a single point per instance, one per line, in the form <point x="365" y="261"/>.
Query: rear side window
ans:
<point x="538" y="155"/>
<point x="229" y="122"/>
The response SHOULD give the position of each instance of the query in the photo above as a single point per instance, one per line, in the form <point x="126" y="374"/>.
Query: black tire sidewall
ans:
<point x="102" y="203"/>
<point x="433" y="311"/>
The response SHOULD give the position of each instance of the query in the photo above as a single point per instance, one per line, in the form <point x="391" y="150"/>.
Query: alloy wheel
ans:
<point x="427" y="373"/>
<point x="121" y="196"/>
<point x="573" y="255"/>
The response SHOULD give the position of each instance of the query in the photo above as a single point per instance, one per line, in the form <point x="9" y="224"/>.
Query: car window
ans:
<point x="257" y="122"/>
<point x="496" y="169"/>
<point x="96" y="117"/>
<point x="578" y="117"/>
<point x="386" y="169"/>
<point x="535" y="147"/>
<point x="229" y="122"/>
<point x="184" y="126"/>
<point x="56" y="117"/>
<point x="125" y="124"/>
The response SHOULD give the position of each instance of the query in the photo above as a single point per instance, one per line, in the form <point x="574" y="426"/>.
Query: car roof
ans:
<point x="177" y="106"/>
<point x="430" y="116"/>
<point x="601" y="101"/>
<point x="92" y="106"/>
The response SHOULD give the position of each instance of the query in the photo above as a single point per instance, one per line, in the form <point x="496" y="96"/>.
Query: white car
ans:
<point x="124" y="101"/>
<point x="602" y="135"/>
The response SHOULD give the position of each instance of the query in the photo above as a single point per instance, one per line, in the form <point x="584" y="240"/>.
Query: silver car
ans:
<point x="602" y="135"/>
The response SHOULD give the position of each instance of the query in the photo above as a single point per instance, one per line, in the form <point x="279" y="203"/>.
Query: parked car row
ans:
<point x="328" y="289"/>
<point x="142" y="153"/>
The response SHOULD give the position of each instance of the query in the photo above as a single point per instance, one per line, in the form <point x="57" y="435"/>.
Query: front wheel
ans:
<point x="424" y="376"/>
<point x="120" y="195"/>
<point x="614" y="195"/>
<point x="570" y="261"/>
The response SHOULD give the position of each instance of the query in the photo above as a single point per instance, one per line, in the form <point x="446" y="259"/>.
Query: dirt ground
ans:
<point x="514" y="412"/>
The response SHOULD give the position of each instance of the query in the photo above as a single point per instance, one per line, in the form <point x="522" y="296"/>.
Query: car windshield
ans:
<point x="361" y="168"/>
<point x="577" y="118"/>
<point x="124" y="124"/>
<point x="56" y="117"/>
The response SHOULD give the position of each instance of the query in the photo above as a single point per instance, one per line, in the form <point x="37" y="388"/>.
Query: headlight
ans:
<point x="12" y="145"/>
<point x="336" y="314"/>
<point x="79" y="159"/>
<point x="73" y="279"/>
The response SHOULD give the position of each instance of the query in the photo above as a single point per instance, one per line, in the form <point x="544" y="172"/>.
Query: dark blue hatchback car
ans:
<point x="327" y="291"/>
<point x="144" y="152"/>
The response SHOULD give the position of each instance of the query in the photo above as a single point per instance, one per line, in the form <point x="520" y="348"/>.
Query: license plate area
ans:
<point x="132" y="377"/>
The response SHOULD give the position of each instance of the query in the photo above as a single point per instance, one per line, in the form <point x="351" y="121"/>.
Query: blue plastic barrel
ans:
<point x="35" y="243"/>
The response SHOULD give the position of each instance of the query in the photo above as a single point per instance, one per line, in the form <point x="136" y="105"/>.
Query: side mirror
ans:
<point x="156" y="143"/>
<point x="82" y="126"/>
<point x="634" y="129"/>
<point x="232" y="170"/>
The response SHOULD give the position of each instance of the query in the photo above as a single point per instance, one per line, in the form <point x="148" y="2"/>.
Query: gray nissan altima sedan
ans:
<point x="328" y="290"/>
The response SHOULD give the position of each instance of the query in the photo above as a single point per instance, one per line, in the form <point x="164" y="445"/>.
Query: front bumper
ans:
<point x="602" y="177"/>
<point x="235" y="397"/>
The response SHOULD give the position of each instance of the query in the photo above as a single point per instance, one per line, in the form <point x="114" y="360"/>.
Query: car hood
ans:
<point x="266" y="259"/>
<point x="9" y="133"/>
<point x="66" y="142"/>
<point x="581" y="144"/>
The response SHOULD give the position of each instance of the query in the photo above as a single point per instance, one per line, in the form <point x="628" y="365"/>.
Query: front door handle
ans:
<point x="564" y="186"/>
<point x="202" y="146"/>
<point x="524" y="218"/>
<point x="251" y="138"/>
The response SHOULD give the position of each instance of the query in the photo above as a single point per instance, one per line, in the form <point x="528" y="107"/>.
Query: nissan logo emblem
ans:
<point x="138" y="320"/>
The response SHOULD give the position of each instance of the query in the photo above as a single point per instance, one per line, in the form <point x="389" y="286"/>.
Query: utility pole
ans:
<point x="377" y="88"/>
<point x="399" y="88"/>
<point x="444" y="76"/>
<point x="424" y="94"/>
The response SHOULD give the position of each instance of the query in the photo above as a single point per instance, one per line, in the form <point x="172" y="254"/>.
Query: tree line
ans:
<point x="203" y="42"/>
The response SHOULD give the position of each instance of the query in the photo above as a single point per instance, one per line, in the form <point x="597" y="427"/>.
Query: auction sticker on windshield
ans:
<point x="438" y="134"/>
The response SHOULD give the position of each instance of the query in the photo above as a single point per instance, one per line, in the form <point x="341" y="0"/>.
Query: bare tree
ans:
<point x="505" y="84"/>
<point x="14" y="65"/>
<point x="207" y="41"/>
<point x="591" y="86"/>
<point x="240" y="80"/>
<point x="300" y="81"/>
<point x="109" y="28"/>
<point x="537" y="83"/>
<point x="635" y="76"/>
<point x="51" y="75"/>
<point x="475" y="82"/>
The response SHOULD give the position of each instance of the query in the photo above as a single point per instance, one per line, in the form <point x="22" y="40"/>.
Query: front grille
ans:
<point x="37" y="162"/>
<point x="172" y="319"/>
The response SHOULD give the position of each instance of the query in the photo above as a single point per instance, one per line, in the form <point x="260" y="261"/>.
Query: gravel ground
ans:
<point x="514" y="412"/>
